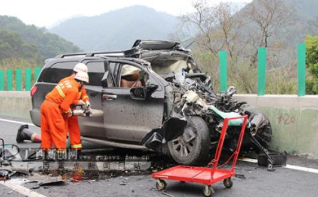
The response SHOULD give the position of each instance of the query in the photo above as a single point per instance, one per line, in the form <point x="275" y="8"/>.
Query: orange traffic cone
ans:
<point x="25" y="134"/>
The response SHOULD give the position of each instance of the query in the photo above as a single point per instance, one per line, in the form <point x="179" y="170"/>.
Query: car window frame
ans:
<point x="118" y="67"/>
<point x="105" y="62"/>
<point x="47" y="72"/>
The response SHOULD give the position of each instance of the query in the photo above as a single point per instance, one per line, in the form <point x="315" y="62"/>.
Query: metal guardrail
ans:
<point x="261" y="78"/>
<point x="6" y="79"/>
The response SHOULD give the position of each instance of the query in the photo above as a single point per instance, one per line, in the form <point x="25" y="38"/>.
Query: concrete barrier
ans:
<point x="15" y="104"/>
<point x="294" y="119"/>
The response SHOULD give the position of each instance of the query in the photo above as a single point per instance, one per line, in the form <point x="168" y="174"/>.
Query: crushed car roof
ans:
<point x="155" y="44"/>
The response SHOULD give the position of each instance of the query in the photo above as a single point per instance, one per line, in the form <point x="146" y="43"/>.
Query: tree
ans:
<point x="268" y="16"/>
<point x="232" y="27"/>
<point x="312" y="64"/>
<point x="312" y="26"/>
<point x="213" y="28"/>
<point x="203" y="21"/>
<point x="30" y="42"/>
<point x="12" y="46"/>
<point x="216" y="27"/>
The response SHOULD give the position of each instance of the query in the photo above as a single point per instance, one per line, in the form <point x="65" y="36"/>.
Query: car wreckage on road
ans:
<point x="173" y="109"/>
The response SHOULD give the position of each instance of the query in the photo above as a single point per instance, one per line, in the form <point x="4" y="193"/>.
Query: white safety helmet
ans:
<point x="82" y="76"/>
<point x="80" y="67"/>
<point x="128" y="70"/>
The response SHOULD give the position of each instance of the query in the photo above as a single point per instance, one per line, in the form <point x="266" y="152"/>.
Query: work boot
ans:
<point x="61" y="168"/>
<point x="78" y="154"/>
<point x="48" y="156"/>
<point x="46" y="167"/>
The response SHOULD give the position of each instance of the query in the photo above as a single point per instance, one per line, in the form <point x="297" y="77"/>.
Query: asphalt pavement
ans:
<point x="251" y="180"/>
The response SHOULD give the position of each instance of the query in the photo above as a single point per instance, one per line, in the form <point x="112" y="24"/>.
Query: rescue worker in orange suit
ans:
<point x="72" y="122"/>
<point x="56" y="105"/>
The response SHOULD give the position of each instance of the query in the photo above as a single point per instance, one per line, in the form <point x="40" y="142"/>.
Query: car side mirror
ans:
<point x="104" y="79"/>
<point x="141" y="93"/>
<point x="138" y="93"/>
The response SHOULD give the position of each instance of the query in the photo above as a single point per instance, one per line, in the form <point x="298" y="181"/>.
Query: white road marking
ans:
<point x="17" y="122"/>
<point x="301" y="168"/>
<point x="312" y="170"/>
<point x="249" y="160"/>
<point x="22" y="190"/>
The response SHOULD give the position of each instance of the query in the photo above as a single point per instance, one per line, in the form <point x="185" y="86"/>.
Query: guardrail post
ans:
<point x="18" y="80"/>
<point x="1" y="80"/>
<point x="9" y="80"/>
<point x="301" y="69"/>
<point x="223" y="71"/>
<point x="261" y="79"/>
<point x="28" y="77"/>
<point x="37" y="73"/>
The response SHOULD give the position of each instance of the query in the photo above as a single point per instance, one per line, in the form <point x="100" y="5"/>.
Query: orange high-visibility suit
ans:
<point x="72" y="123"/>
<point x="57" y="104"/>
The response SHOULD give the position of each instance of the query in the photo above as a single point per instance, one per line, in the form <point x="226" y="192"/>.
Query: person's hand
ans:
<point x="87" y="104"/>
<point x="82" y="104"/>
<point x="69" y="113"/>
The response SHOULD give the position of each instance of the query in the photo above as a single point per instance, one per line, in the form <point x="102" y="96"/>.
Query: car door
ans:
<point x="94" y="126"/>
<point x="128" y="119"/>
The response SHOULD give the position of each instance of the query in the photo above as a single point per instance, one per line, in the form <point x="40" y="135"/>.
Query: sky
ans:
<point x="46" y="13"/>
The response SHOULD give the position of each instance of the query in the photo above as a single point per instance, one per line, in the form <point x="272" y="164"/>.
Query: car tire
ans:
<point x="264" y="134"/>
<point x="196" y="150"/>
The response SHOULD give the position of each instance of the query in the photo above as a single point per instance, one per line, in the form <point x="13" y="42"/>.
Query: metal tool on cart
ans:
<point x="205" y="175"/>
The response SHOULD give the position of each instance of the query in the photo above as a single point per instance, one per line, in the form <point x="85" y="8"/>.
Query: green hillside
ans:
<point x="28" y="45"/>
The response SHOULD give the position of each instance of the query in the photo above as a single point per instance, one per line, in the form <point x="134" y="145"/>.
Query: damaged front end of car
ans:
<point x="191" y="99"/>
<point x="195" y="121"/>
<point x="171" y="129"/>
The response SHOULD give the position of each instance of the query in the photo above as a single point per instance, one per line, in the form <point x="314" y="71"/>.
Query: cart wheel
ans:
<point x="208" y="190"/>
<point x="161" y="185"/>
<point x="228" y="183"/>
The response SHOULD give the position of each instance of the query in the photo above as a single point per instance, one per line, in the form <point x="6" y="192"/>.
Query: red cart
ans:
<point x="205" y="175"/>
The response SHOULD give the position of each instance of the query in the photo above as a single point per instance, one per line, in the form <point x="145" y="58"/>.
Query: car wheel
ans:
<point x="264" y="133"/>
<point x="191" y="148"/>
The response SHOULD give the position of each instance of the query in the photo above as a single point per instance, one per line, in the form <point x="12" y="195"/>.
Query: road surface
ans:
<point x="252" y="181"/>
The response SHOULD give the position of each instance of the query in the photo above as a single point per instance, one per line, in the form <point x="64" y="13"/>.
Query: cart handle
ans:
<point x="215" y="161"/>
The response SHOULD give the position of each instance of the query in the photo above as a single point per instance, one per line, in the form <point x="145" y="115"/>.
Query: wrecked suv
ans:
<point x="173" y="110"/>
